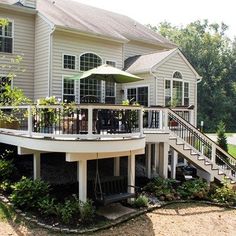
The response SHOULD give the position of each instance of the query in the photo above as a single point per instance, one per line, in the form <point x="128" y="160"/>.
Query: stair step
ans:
<point x="208" y="163"/>
<point x="201" y="158"/>
<point x="194" y="154"/>
<point x="187" y="148"/>
<point x="172" y="138"/>
<point x="180" y="143"/>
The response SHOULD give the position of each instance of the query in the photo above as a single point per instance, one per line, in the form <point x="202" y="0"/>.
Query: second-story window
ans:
<point x="91" y="86"/>
<point x="6" y="38"/>
<point x="176" y="91"/>
<point x="69" y="62"/>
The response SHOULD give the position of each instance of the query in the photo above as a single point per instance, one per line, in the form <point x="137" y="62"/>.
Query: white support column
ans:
<point x="163" y="167"/>
<point x="157" y="156"/>
<point x="82" y="179"/>
<point x="148" y="160"/>
<point x="174" y="159"/>
<point x="37" y="165"/>
<point x="213" y="153"/>
<point x="131" y="173"/>
<point x="116" y="166"/>
<point x="90" y="121"/>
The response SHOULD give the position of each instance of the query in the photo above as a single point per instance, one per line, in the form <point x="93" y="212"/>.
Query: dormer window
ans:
<point x="6" y="38"/>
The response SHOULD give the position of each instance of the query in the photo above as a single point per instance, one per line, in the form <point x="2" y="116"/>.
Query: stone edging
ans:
<point x="120" y="220"/>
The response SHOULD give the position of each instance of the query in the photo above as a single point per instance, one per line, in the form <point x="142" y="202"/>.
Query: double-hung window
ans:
<point x="68" y="90"/>
<point x="139" y="95"/>
<point x="69" y="62"/>
<point x="6" y="38"/>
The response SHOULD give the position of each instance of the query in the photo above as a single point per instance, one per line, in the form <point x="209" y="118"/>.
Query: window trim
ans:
<point x="75" y="87"/>
<point x="136" y="87"/>
<point x="13" y="34"/>
<point x="69" y="54"/>
<point x="86" y="53"/>
<point x="171" y="89"/>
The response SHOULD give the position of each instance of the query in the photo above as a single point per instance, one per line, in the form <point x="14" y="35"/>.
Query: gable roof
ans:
<point x="145" y="63"/>
<point x="72" y="15"/>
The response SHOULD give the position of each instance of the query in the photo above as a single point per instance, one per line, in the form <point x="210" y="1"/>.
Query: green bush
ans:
<point x="87" y="211"/>
<point x="27" y="193"/>
<point x="162" y="188"/>
<point x="69" y="210"/>
<point x="141" y="201"/>
<point x="6" y="169"/>
<point x="46" y="205"/>
<point x="194" y="189"/>
<point x="5" y="186"/>
<point x="225" y="194"/>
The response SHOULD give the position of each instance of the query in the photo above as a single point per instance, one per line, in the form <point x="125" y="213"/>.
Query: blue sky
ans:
<point x="178" y="12"/>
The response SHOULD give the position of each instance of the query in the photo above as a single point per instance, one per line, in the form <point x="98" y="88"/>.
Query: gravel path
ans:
<point x="177" y="220"/>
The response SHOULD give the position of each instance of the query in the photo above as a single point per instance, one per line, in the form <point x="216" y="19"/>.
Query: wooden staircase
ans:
<point x="200" y="150"/>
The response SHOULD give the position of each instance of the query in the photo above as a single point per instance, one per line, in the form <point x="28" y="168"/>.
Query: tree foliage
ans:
<point x="213" y="56"/>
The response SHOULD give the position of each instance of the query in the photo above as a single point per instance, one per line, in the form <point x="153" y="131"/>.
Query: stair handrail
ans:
<point x="205" y="137"/>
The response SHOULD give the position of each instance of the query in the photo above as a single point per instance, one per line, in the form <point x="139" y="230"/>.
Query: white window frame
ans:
<point x="136" y="87"/>
<point x="13" y="34"/>
<point x="171" y="88"/>
<point x="86" y="53"/>
<point x="75" y="89"/>
<point x="69" y="54"/>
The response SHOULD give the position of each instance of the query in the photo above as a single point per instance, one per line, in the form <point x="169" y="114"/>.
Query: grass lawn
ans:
<point x="232" y="150"/>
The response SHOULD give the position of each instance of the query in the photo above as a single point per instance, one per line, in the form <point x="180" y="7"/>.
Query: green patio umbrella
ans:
<point x="108" y="73"/>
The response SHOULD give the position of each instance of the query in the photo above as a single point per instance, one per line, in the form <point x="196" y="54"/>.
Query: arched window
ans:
<point x="177" y="75"/>
<point x="89" y="61"/>
<point x="91" y="87"/>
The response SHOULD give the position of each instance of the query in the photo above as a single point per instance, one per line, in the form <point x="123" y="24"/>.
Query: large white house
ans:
<point x="59" y="39"/>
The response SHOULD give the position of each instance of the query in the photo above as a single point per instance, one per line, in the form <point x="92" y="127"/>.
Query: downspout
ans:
<point x="50" y="61"/>
<point x="155" y="85"/>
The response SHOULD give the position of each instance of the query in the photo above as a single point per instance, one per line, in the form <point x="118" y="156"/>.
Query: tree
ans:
<point x="211" y="53"/>
<point x="221" y="137"/>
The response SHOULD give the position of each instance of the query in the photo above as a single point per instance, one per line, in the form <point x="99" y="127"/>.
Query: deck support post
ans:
<point x="116" y="166"/>
<point x="163" y="167"/>
<point x="174" y="158"/>
<point x="148" y="160"/>
<point x="37" y="165"/>
<point x="82" y="179"/>
<point x="131" y="172"/>
<point x="157" y="157"/>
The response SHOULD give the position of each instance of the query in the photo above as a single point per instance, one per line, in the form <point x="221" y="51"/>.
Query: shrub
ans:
<point x="162" y="188"/>
<point x="87" y="211"/>
<point x="27" y="193"/>
<point x="69" y="210"/>
<point x="47" y="205"/>
<point x="6" y="169"/>
<point x="225" y="194"/>
<point x="221" y="137"/>
<point x="141" y="201"/>
<point x="194" y="189"/>
<point x="5" y="186"/>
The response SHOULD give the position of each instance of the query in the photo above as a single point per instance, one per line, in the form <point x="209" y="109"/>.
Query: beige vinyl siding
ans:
<point x="23" y="45"/>
<point x="133" y="48"/>
<point x="72" y="44"/>
<point x="42" y="35"/>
